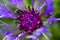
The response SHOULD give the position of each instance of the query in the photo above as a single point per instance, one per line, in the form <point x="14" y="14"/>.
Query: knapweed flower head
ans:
<point x="28" y="20"/>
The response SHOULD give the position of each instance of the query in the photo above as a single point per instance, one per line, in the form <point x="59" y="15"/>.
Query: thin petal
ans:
<point x="52" y="18"/>
<point x="39" y="1"/>
<point x="13" y="2"/>
<point x="45" y="36"/>
<point x="5" y="24"/>
<point x="40" y="7"/>
<point x="37" y="39"/>
<point x="21" y="3"/>
<point x="9" y="37"/>
<point x="57" y="18"/>
<point x="31" y="36"/>
<point x="39" y="31"/>
<point x="13" y="37"/>
<point x="5" y="12"/>
<point x="16" y="2"/>
<point x="48" y="33"/>
<point x="6" y="32"/>
<point x="1" y="16"/>
<point x="48" y="24"/>
<point x="49" y="8"/>
<point x="33" y="3"/>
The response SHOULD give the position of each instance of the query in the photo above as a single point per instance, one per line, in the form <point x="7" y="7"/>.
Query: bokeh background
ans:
<point x="54" y="27"/>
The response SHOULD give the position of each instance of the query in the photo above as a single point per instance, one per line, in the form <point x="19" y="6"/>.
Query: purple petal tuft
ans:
<point x="49" y="8"/>
<point x="6" y="12"/>
<point x="13" y="2"/>
<point x="52" y="18"/>
<point x="13" y="37"/>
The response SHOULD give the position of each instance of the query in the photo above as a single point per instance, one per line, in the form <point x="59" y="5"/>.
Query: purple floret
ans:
<point x="29" y="21"/>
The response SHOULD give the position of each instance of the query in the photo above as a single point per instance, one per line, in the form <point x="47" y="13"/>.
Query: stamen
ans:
<point x="19" y="11"/>
<point x="29" y="8"/>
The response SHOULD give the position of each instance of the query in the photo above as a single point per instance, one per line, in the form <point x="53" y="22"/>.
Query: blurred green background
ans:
<point x="54" y="28"/>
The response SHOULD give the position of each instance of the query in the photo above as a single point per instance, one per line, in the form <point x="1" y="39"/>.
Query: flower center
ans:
<point x="29" y="21"/>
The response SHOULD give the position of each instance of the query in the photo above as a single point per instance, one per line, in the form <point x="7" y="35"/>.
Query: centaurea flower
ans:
<point x="29" y="20"/>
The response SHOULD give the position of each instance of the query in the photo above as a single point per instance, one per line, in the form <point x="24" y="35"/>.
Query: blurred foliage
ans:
<point x="54" y="28"/>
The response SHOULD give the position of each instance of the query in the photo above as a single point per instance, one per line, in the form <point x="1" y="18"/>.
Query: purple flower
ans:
<point x="29" y="20"/>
